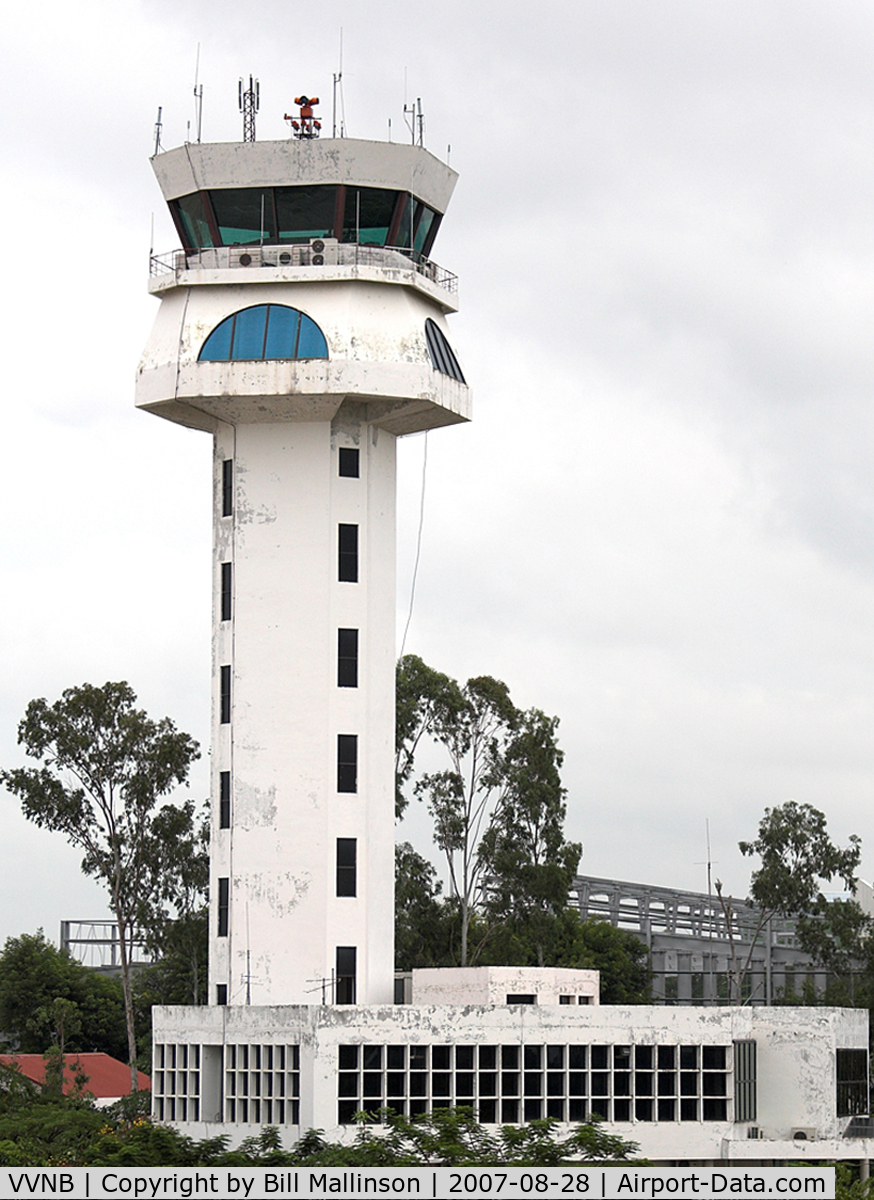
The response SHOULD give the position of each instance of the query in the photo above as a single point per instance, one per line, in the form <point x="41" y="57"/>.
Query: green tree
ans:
<point x="103" y="766"/>
<point x="796" y="856"/>
<point x="39" y="984"/>
<point x="498" y="808"/>
<point x="424" y="923"/>
<point x="528" y="865"/>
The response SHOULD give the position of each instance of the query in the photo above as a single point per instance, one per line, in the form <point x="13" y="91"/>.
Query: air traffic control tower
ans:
<point x="303" y="326"/>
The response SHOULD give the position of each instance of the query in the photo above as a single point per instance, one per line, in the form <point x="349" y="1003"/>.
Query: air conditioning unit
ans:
<point x="323" y="252"/>
<point x="755" y="1132"/>
<point x="803" y="1133"/>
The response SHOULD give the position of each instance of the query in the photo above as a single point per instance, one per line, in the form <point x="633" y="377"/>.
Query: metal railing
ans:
<point x="326" y="253"/>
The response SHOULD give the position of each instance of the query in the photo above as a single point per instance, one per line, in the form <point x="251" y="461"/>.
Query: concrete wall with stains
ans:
<point x="796" y="1063"/>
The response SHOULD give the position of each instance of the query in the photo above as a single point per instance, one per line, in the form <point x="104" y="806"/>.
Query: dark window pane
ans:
<point x="221" y="993"/>
<point x="345" y="974"/>
<point x="643" y="1058"/>
<point x="349" y="462"/>
<point x="423" y="228"/>
<point x="510" y="1058"/>
<point x="348" y="554"/>
<point x="440" y="1058"/>
<point x="395" y="1057"/>
<point x="226" y="591"/>
<point x="282" y="323"/>
<point x="228" y="487"/>
<point x="223" y="906"/>
<point x="713" y="1058"/>
<point x="347" y="658"/>
<point x="305" y="212"/>
<point x="533" y="1058"/>
<point x="348" y="1058"/>
<point x="368" y="215"/>
<point x="224" y="800"/>
<point x="192" y="214"/>
<point x="347" y="762"/>
<point x="238" y="213"/>
<point x="249" y="333"/>
<point x="442" y="357"/>
<point x="346" y="874"/>
<point x="599" y="1058"/>
<point x="688" y="1058"/>
<point x="225" y="695"/>
<point x="577" y="1058"/>
<point x="667" y="1058"/>
<point x="464" y="1058"/>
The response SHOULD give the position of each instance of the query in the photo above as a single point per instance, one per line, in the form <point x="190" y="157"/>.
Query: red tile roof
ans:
<point x="107" y="1077"/>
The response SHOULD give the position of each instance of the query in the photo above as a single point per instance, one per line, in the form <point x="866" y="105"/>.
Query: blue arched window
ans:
<point x="265" y="331"/>
<point x="442" y="356"/>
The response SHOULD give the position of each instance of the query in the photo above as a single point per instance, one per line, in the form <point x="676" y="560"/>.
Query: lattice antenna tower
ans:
<point x="158" y="131"/>
<point x="250" y="102"/>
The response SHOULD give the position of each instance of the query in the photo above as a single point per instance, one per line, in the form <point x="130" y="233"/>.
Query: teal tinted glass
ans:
<point x="265" y="331"/>
<point x="408" y="208"/>
<point x="281" y="331"/>
<point x="217" y="347"/>
<point x="249" y="333"/>
<point x="426" y="220"/>
<point x="368" y="215"/>
<point x="311" y="343"/>
<point x="305" y="212"/>
<point x="193" y="216"/>
<point x="238" y="213"/>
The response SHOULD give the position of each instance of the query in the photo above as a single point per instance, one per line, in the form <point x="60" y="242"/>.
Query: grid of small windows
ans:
<point x="262" y="1084"/>
<point x="176" y="1082"/>
<point x="514" y="1084"/>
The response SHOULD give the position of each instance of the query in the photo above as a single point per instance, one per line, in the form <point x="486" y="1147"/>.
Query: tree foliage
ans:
<point x="498" y="807"/>
<point x="796" y="856"/>
<point x="46" y="996"/>
<point x="103" y="766"/>
<point x="39" y="1128"/>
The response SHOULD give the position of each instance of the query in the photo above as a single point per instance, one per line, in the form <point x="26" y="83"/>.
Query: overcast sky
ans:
<point x="658" y="525"/>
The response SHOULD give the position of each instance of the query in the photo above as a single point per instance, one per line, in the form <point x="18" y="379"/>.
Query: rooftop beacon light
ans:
<point x="307" y="125"/>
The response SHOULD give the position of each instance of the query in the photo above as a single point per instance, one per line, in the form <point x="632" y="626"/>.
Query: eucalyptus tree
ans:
<point x="103" y="766"/>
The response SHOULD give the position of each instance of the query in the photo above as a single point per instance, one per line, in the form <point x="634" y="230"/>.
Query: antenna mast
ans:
<point x="338" y="82"/>
<point x="250" y="102"/>
<point x="416" y="126"/>
<point x="158" y="131"/>
<point x="198" y="94"/>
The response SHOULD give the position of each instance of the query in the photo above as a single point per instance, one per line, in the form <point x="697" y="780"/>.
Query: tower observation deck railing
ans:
<point x="303" y="254"/>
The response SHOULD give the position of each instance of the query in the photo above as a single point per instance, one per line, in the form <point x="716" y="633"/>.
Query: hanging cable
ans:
<point x="418" y="546"/>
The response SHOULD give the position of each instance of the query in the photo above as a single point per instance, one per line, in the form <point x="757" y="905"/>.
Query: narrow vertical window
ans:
<point x="224" y="892"/>
<point x="347" y="866"/>
<point x="345" y="976"/>
<point x="349" y="461"/>
<point x="226" y="695"/>
<point x="228" y="487"/>
<point x="225" y="800"/>
<point x="347" y="658"/>
<point x="221" y="993"/>
<point x="226" y="591"/>
<point x="347" y="762"/>
<point x="348" y="550"/>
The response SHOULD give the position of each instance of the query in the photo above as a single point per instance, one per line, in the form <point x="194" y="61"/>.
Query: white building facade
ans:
<point x="291" y="332"/>
<point x="303" y="326"/>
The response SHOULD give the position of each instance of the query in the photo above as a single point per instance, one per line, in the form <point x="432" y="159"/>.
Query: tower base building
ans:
<point x="303" y="325"/>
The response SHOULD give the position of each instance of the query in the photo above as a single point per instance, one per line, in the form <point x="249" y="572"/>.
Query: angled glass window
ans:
<point x="442" y="356"/>
<point x="265" y="331"/>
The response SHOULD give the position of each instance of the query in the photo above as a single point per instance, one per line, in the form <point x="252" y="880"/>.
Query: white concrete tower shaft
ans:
<point x="303" y="326"/>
